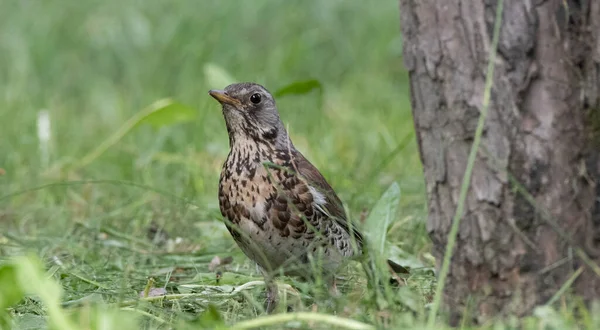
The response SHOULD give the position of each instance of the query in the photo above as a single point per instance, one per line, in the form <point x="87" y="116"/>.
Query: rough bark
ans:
<point x="541" y="131"/>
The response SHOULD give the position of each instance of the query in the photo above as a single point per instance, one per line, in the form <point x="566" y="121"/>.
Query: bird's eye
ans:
<point x="255" y="98"/>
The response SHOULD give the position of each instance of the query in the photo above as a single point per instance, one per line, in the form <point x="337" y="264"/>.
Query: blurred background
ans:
<point x="94" y="65"/>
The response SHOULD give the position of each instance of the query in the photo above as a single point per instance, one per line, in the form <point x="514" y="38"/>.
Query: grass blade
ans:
<point x="302" y="316"/>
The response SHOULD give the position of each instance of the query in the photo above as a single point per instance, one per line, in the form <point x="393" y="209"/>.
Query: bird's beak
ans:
<point x="223" y="98"/>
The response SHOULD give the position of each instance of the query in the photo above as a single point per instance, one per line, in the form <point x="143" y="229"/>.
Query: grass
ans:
<point x="146" y="207"/>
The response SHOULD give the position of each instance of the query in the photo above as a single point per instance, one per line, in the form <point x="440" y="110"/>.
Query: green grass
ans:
<point x="95" y="64"/>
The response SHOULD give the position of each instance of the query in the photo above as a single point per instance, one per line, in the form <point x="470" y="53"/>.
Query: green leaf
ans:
<point x="216" y="76"/>
<point x="160" y="113"/>
<point x="32" y="279"/>
<point x="10" y="292"/>
<point x="380" y="218"/>
<point x="169" y="114"/>
<point x="210" y="318"/>
<point x="401" y="257"/>
<point x="299" y="88"/>
<point x="376" y="226"/>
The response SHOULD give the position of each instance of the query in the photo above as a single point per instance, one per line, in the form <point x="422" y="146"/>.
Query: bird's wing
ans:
<point x="331" y="205"/>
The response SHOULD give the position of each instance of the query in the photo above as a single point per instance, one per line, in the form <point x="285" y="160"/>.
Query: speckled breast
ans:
<point x="271" y="214"/>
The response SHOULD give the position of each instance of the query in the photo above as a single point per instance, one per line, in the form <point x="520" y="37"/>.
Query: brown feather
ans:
<point x="334" y="205"/>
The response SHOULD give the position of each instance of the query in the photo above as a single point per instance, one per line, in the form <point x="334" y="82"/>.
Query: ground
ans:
<point x="144" y="204"/>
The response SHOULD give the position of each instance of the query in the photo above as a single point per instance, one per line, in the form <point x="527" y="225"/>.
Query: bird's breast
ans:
<point x="273" y="212"/>
<point x="244" y="185"/>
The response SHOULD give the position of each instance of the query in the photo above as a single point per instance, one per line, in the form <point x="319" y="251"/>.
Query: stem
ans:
<point x="302" y="316"/>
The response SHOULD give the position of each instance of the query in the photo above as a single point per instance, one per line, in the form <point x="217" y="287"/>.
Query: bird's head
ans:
<point x="250" y="113"/>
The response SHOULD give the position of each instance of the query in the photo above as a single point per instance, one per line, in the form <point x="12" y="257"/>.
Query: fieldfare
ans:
<point x="278" y="207"/>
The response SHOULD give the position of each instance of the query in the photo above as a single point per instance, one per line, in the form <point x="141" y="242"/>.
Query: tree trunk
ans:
<point x="542" y="131"/>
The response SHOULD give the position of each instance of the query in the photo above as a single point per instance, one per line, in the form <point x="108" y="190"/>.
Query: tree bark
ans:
<point x="542" y="131"/>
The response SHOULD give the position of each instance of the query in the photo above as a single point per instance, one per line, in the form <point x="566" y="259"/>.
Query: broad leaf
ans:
<point x="169" y="114"/>
<point x="33" y="280"/>
<point x="380" y="218"/>
<point x="216" y="76"/>
<point x="376" y="226"/>
<point x="401" y="257"/>
<point x="299" y="88"/>
<point x="10" y="292"/>
<point x="160" y="113"/>
<point x="211" y="318"/>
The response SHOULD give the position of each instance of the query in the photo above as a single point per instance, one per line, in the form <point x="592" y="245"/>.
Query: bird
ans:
<point x="278" y="207"/>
